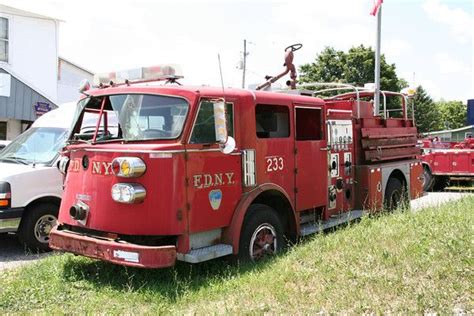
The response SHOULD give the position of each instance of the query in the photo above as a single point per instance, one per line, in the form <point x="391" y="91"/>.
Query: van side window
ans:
<point x="308" y="124"/>
<point x="204" y="131"/>
<point x="272" y="121"/>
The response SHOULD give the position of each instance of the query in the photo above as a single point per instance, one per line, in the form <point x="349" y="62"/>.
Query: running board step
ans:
<point x="205" y="253"/>
<point x="311" y="228"/>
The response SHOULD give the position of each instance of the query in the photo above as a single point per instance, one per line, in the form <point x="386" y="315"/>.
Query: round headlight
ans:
<point x="116" y="193"/>
<point x="128" y="193"/>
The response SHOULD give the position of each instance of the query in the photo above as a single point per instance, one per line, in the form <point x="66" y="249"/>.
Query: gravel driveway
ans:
<point x="12" y="254"/>
<point x="436" y="198"/>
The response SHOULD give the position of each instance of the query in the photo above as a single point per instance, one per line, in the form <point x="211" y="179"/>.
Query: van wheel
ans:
<point x="262" y="234"/>
<point x="395" y="194"/>
<point x="36" y="226"/>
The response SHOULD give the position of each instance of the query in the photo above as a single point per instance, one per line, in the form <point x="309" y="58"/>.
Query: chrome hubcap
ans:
<point x="263" y="242"/>
<point x="43" y="227"/>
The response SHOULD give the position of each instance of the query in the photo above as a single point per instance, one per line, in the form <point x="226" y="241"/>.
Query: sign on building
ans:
<point x="42" y="108"/>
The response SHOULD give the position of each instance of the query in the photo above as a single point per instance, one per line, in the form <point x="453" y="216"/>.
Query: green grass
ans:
<point x="403" y="262"/>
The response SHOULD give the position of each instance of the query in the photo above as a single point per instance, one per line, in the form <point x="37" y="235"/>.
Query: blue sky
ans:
<point x="431" y="42"/>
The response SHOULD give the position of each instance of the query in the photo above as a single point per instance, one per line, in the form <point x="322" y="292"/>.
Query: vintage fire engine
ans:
<point x="445" y="161"/>
<point x="196" y="173"/>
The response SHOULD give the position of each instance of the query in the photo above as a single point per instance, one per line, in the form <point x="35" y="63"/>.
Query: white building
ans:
<point x="33" y="80"/>
<point x="69" y="77"/>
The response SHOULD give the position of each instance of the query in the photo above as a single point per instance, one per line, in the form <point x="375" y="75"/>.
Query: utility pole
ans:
<point x="244" y="64"/>
<point x="377" y="60"/>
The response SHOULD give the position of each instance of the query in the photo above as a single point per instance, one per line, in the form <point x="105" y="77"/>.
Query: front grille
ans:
<point x="133" y="239"/>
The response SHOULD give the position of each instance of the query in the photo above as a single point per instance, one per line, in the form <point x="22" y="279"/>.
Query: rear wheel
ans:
<point x="262" y="234"/>
<point x="395" y="194"/>
<point x="428" y="179"/>
<point x="36" y="226"/>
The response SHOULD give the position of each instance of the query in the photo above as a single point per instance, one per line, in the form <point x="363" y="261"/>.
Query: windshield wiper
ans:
<point x="16" y="159"/>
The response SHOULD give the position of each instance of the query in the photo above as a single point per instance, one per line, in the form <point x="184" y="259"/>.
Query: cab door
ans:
<point x="214" y="180"/>
<point x="310" y="158"/>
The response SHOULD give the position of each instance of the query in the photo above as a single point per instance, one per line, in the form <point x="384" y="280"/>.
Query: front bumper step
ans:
<point x="206" y="253"/>
<point x="121" y="253"/>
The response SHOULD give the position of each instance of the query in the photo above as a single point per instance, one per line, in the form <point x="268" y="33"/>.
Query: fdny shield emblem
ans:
<point x="215" y="198"/>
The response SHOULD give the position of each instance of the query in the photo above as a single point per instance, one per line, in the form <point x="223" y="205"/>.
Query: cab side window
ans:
<point x="308" y="124"/>
<point x="272" y="121"/>
<point x="204" y="130"/>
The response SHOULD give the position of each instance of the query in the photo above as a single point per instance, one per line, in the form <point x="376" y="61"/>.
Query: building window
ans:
<point x="3" y="130"/>
<point x="272" y="121"/>
<point x="4" y="39"/>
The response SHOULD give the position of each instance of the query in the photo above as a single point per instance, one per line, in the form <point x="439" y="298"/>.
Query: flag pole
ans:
<point x="377" y="61"/>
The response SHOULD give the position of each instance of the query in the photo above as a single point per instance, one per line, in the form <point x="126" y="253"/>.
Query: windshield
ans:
<point x="38" y="145"/>
<point x="138" y="116"/>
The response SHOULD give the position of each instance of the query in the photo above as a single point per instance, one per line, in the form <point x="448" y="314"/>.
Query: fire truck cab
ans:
<point x="167" y="185"/>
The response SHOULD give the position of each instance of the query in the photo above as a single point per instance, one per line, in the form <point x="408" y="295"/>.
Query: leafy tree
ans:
<point x="453" y="114"/>
<point x="355" y="67"/>
<point x="427" y="116"/>
<point x="328" y="67"/>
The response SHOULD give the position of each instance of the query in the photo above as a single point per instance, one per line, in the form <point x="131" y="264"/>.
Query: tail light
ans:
<point x="128" y="193"/>
<point x="128" y="167"/>
<point x="5" y="195"/>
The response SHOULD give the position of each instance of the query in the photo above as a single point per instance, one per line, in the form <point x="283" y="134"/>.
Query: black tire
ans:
<point x="395" y="195"/>
<point x="440" y="183"/>
<point x="261" y="223"/>
<point x="428" y="179"/>
<point x="36" y="225"/>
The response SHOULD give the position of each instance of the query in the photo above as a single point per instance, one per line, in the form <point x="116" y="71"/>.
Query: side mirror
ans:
<point x="63" y="164"/>
<point x="227" y="143"/>
<point x="84" y="86"/>
<point x="220" y="122"/>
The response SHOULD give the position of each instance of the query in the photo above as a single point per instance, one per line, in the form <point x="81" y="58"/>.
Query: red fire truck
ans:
<point x="445" y="161"/>
<point x="196" y="173"/>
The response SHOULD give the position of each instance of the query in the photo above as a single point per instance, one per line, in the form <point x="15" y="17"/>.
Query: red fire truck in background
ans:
<point x="447" y="161"/>
<point x="196" y="173"/>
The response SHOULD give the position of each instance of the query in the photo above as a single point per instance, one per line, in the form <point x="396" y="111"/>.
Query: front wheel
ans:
<point x="262" y="234"/>
<point x="36" y="226"/>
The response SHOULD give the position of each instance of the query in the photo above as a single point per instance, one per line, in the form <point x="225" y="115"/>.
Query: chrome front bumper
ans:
<point x="126" y="254"/>
<point x="9" y="225"/>
<point x="10" y="219"/>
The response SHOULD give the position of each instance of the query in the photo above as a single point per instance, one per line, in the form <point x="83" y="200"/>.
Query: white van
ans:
<point x="30" y="182"/>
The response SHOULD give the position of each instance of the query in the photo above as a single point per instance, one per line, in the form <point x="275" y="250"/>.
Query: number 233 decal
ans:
<point x="275" y="163"/>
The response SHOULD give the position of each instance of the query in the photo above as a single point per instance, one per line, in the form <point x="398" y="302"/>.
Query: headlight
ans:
<point x="128" y="167"/>
<point x="5" y="194"/>
<point x="128" y="193"/>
